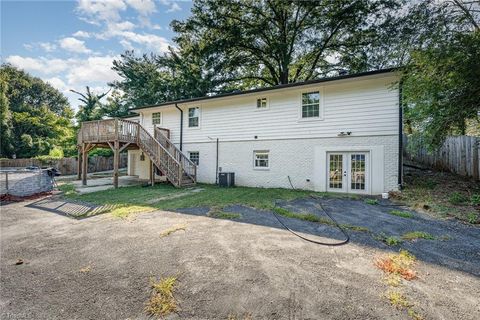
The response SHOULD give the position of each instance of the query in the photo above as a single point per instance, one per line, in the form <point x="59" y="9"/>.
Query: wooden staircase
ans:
<point x="119" y="134"/>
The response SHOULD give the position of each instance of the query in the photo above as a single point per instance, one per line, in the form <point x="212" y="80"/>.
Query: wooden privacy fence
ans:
<point x="459" y="154"/>
<point x="67" y="166"/>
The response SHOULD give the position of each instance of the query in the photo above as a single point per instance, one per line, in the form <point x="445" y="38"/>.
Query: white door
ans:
<point x="347" y="172"/>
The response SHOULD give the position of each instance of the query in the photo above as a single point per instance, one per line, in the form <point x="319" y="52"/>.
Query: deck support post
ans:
<point x="116" y="160"/>
<point x="152" y="174"/>
<point x="79" y="163"/>
<point x="84" y="164"/>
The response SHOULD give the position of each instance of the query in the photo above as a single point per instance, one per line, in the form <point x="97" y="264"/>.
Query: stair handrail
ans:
<point x="181" y="156"/>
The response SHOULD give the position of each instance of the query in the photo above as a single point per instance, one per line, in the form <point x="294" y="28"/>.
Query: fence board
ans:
<point x="67" y="166"/>
<point x="459" y="154"/>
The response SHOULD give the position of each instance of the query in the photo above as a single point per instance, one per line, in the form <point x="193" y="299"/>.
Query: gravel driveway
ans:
<point x="100" y="267"/>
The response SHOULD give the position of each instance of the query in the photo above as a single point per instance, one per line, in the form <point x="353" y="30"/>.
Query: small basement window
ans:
<point x="193" y="117"/>
<point x="311" y="104"/>
<point x="262" y="103"/>
<point x="261" y="160"/>
<point x="194" y="157"/>
<point x="156" y="118"/>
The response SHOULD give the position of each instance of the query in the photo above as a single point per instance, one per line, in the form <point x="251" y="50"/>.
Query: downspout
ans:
<point x="216" y="167"/>
<point x="181" y="126"/>
<point x="400" y="137"/>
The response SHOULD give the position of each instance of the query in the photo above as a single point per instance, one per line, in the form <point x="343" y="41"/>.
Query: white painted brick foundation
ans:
<point x="294" y="158"/>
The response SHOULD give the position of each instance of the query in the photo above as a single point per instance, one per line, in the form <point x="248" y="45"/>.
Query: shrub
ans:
<point x="457" y="198"/>
<point x="475" y="200"/>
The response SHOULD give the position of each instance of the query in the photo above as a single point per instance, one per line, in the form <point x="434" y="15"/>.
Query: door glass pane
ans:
<point x="357" y="172"/>
<point x="335" y="171"/>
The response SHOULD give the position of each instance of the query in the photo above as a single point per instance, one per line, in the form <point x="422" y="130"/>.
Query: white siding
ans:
<point x="365" y="106"/>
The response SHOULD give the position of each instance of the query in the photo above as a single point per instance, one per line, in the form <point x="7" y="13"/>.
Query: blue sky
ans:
<point x="71" y="44"/>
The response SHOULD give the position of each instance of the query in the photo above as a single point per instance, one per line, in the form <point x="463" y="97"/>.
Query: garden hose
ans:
<point x="347" y="237"/>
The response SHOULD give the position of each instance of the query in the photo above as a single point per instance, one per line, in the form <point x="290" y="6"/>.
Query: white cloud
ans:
<point x="73" y="45"/>
<point x="47" y="46"/>
<point x="144" y="7"/>
<point x="174" y="7"/>
<point x="105" y="10"/>
<point x="81" y="34"/>
<point x="150" y="41"/>
<point x="57" y="83"/>
<point x="91" y="70"/>
<point x="72" y="73"/>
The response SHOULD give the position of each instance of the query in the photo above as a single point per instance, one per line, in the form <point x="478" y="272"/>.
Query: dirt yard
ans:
<point x="241" y="265"/>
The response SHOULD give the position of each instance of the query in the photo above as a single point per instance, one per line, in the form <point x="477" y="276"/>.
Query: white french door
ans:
<point x="348" y="172"/>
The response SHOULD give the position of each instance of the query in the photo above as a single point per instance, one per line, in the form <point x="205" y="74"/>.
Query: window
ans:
<point x="261" y="160"/>
<point x="194" y="157"/>
<point x="156" y="118"/>
<point x="311" y="105"/>
<point x="193" y="117"/>
<point x="262" y="103"/>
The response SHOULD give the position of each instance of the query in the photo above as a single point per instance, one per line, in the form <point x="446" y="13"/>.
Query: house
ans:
<point x="339" y="134"/>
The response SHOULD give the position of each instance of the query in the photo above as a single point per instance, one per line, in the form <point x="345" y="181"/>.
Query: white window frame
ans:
<point x="161" y="118"/>
<point x="321" y="108"/>
<point x="255" y="153"/>
<point x="267" y="104"/>
<point x="190" y="154"/>
<point x="199" y="117"/>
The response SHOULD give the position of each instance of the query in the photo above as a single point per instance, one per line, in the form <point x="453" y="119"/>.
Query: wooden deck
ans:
<point x="120" y="135"/>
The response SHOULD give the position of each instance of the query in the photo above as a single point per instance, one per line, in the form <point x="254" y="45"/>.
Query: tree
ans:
<point x="6" y="146"/>
<point x="441" y="82"/>
<point x="115" y="105"/>
<point x="276" y="42"/>
<point x="91" y="109"/>
<point x="41" y="117"/>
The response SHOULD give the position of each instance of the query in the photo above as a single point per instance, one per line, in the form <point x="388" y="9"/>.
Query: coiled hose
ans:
<point x="347" y="237"/>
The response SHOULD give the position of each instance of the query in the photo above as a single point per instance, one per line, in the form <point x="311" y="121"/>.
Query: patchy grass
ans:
<point x="403" y="214"/>
<point x="211" y="196"/>
<point x="457" y="198"/>
<point x="414" y="235"/>
<point x="354" y="228"/>
<point x="397" y="299"/>
<point x="129" y="211"/>
<point x="68" y="189"/>
<point x="169" y="231"/>
<point x="400" y="264"/>
<point x="441" y="195"/>
<point x="218" y="213"/>
<point x="162" y="302"/>
<point x="289" y="214"/>
<point x="397" y="267"/>
<point x="372" y="202"/>
<point x="388" y="240"/>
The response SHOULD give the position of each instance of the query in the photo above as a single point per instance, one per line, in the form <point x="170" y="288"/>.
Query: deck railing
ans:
<point x="164" y="154"/>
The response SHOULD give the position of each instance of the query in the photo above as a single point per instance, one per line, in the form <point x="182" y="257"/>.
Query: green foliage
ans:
<point x="475" y="199"/>
<point x="472" y="217"/>
<point x="92" y="107"/>
<point x="371" y="201"/>
<point x="6" y="145"/>
<point x="417" y="235"/>
<point x="440" y="87"/>
<point x="457" y="198"/>
<point x="403" y="214"/>
<point x="56" y="152"/>
<point x="35" y="115"/>
<point x="289" y="214"/>
<point x="388" y="240"/>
